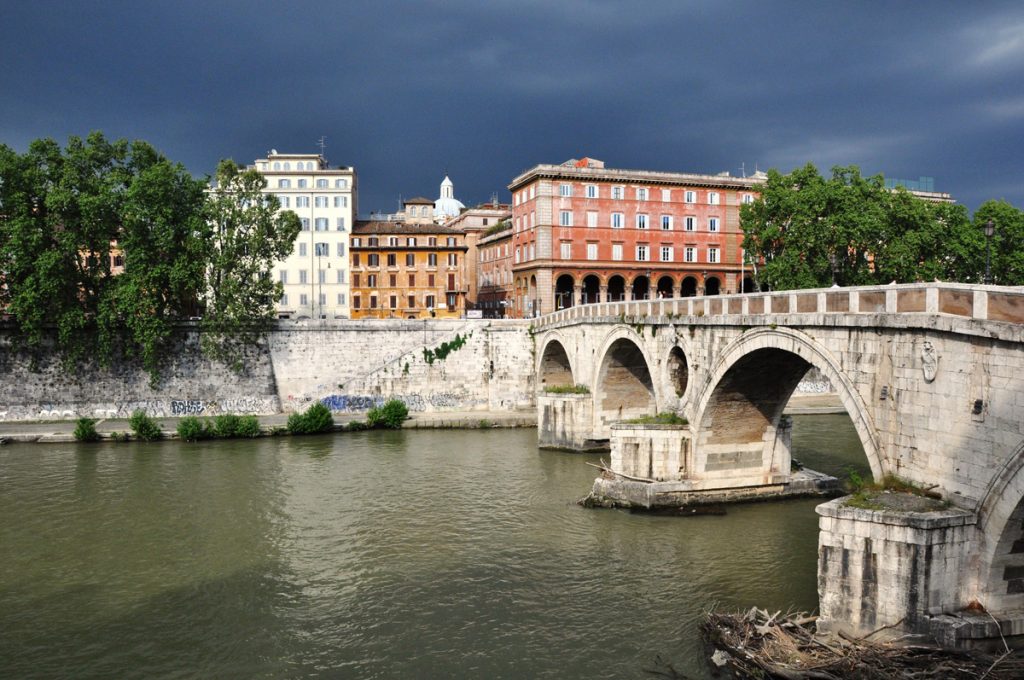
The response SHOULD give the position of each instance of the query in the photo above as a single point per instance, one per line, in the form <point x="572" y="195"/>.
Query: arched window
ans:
<point x="287" y="165"/>
<point x="284" y="183"/>
<point x="277" y="165"/>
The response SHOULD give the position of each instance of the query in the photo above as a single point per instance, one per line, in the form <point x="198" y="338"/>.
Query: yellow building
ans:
<point x="408" y="269"/>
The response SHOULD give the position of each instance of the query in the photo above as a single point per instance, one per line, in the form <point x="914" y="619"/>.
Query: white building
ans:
<point x="315" y="275"/>
<point x="447" y="206"/>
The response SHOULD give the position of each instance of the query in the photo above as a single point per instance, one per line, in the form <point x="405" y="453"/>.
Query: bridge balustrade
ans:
<point x="986" y="303"/>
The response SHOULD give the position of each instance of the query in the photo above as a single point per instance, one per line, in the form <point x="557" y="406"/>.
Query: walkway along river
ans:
<point x="373" y="555"/>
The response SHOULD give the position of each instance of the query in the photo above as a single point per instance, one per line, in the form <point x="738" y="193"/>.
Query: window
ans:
<point x="690" y="223"/>
<point x="565" y="190"/>
<point x="284" y="184"/>
<point x="533" y="251"/>
<point x="591" y="251"/>
<point x="356" y="242"/>
<point x="666" y="253"/>
<point x="411" y="302"/>
<point x="303" y="276"/>
<point x="666" y="195"/>
<point x="322" y="249"/>
<point x="320" y="202"/>
<point x="641" y="193"/>
<point x="392" y="241"/>
<point x="517" y="255"/>
<point x="452" y="300"/>
<point x="356" y="280"/>
<point x="341" y="201"/>
<point x="373" y="241"/>
<point x="373" y="302"/>
<point x="617" y="252"/>
<point x="301" y="184"/>
<point x="373" y="260"/>
<point x="355" y="260"/>
<point x="321" y="184"/>
<point x="712" y="224"/>
<point x="666" y="222"/>
<point x="642" y="253"/>
<point x="566" y="250"/>
<point x="303" y="300"/>
<point x="285" y="201"/>
<point x="304" y="221"/>
<point x="341" y="275"/>
<point x="565" y="218"/>
<point x="618" y="192"/>
<point x="356" y="300"/>
<point x="302" y="201"/>
<point x="302" y="250"/>
<point x="393" y="302"/>
<point x="451" y="282"/>
<point x="641" y="221"/>
<point x="321" y="276"/>
<point x="410" y="241"/>
<point x="322" y="297"/>
<point x="277" y="165"/>
<point x="284" y="300"/>
<point x="450" y="241"/>
<point x="453" y="259"/>
<point x="341" y="183"/>
<point x="533" y="190"/>
<point x="392" y="260"/>
<point x="283" y="276"/>
<point x="392" y="280"/>
<point x="431" y="259"/>
<point x="287" y="165"/>
<point x="371" y="280"/>
<point x="410" y="259"/>
<point x="712" y="198"/>
<point x="341" y="249"/>
<point x="321" y="224"/>
<point x="341" y="299"/>
<point x="412" y="280"/>
<point x="617" y="221"/>
<point x="591" y="191"/>
<point x="591" y="219"/>
<point x="690" y="197"/>
<point x="690" y="254"/>
<point x="428" y="300"/>
<point x="748" y="198"/>
<point x="712" y="254"/>
<point x="432" y="241"/>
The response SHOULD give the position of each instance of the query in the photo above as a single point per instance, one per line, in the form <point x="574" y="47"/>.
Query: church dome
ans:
<point x="447" y="206"/>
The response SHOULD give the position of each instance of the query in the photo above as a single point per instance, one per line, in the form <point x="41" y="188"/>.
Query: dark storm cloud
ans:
<point x="404" y="91"/>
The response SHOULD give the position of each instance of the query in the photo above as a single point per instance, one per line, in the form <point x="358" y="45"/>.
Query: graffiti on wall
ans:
<point x="415" y="402"/>
<point x="187" y="407"/>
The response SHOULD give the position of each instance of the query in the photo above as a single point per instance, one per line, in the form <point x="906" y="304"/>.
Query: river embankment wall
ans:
<point x="434" y="365"/>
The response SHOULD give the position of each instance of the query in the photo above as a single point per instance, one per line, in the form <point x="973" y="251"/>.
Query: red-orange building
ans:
<point x="585" y="233"/>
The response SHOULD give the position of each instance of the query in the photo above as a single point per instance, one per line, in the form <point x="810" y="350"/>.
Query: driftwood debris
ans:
<point x="759" y="644"/>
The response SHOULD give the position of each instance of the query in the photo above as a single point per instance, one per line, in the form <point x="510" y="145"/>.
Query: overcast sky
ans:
<point x="484" y="90"/>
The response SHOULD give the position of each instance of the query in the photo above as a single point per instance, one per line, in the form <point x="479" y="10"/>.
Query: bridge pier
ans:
<point x="899" y="568"/>
<point x="566" y="421"/>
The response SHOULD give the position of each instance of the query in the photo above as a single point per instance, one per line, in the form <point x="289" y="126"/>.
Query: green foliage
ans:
<point x="248" y="237"/>
<point x="356" y="426"/>
<point x="248" y="426"/>
<point x="144" y="427"/>
<point x="65" y="212"/>
<point x="85" y="430"/>
<point x="192" y="429"/>
<point x="391" y="415"/>
<point x="317" y="418"/>
<point x="226" y="425"/>
<point x="1007" y="247"/>
<point x="485" y="424"/>
<point x="503" y="225"/>
<point x="119" y="436"/>
<point x="807" y="231"/>
<point x="663" y="418"/>
<point x="441" y="352"/>
<point x="566" y="389"/>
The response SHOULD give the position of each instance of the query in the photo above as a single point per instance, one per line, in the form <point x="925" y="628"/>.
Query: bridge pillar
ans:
<point x="566" y="421"/>
<point x="889" y="567"/>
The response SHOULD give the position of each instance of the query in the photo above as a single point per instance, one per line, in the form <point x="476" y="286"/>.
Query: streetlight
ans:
<point x="990" y="229"/>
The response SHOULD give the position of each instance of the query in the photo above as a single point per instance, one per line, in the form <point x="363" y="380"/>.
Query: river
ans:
<point x="426" y="554"/>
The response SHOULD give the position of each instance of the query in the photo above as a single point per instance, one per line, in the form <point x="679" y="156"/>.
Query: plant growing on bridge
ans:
<point x="85" y="430"/>
<point x="663" y="418"/>
<point x="566" y="389"/>
<point x="144" y="427"/>
<point x="391" y="415"/>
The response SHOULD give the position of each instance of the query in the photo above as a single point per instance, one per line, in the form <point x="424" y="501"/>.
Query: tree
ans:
<point x="248" y="236"/>
<point x="1007" y="247"/>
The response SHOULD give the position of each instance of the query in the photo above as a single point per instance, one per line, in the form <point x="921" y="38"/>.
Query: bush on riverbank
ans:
<point x="226" y="425"/>
<point x="317" y="418"/>
<point x="191" y="429"/>
<point x="248" y="426"/>
<point x="144" y="427"/>
<point x="391" y="415"/>
<point x="85" y="430"/>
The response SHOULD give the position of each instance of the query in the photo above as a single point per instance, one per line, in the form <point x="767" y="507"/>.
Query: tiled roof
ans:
<point x="370" y="227"/>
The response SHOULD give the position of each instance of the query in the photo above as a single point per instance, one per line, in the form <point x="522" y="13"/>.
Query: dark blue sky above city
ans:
<point x="407" y="91"/>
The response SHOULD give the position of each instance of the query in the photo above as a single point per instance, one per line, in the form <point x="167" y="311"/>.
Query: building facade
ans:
<point x="474" y="223"/>
<point x="407" y="269"/>
<point x="585" y="233"/>
<point x="494" y="271"/>
<point x="316" y="274"/>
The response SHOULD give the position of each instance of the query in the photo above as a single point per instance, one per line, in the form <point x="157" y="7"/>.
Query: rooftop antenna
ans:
<point x="323" y="147"/>
<point x="494" y="198"/>
<point x="743" y="168"/>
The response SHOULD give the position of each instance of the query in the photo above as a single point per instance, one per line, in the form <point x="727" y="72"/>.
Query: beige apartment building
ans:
<point x="316" y="274"/>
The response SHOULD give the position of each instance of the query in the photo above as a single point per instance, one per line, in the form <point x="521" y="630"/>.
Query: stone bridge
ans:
<point x="932" y="376"/>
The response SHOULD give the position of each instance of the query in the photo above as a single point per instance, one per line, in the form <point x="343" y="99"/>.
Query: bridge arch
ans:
<point x="750" y="384"/>
<point x="623" y="382"/>
<point x="1001" y="528"/>
<point x="554" y="367"/>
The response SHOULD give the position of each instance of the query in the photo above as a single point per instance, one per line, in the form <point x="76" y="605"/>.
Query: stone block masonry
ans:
<point x="348" y="365"/>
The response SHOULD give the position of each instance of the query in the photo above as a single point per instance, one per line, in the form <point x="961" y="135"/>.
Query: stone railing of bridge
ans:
<point x="956" y="300"/>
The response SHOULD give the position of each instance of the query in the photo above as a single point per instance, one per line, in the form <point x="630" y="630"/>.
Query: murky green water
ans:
<point x="427" y="554"/>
